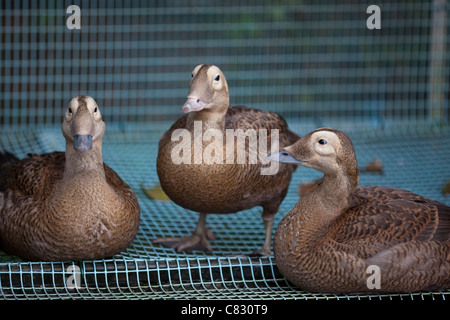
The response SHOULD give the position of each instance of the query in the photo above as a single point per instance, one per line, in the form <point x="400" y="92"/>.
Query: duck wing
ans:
<point x="35" y="176"/>
<point x="380" y="217"/>
<point x="241" y="117"/>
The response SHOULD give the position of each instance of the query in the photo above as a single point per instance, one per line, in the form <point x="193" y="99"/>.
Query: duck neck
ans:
<point x="320" y="207"/>
<point x="209" y="120"/>
<point x="77" y="162"/>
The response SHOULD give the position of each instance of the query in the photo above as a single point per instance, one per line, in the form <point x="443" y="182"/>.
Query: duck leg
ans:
<point x="199" y="240"/>
<point x="268" y="217"/>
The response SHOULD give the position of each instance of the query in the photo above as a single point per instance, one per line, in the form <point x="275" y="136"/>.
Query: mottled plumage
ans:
<point x="337" y="230"/>
<point x="226" y="188"/>
<point x="222" y="187"/>
<point x="379" y="217"/>
<point x="67" y="206"/>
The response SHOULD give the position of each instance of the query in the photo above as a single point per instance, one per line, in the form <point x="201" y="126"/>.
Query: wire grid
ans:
<point x="315" y="63"/>
<point x="146" y="270"/>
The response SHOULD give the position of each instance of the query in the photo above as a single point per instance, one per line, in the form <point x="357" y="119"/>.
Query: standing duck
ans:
<point x="340" y="238"/>
<point x="214" y="183"/>
<point x="67" y="206"/>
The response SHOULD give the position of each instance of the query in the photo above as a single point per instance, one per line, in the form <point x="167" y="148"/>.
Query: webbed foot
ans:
<point x="195" y="241"/>
<point x="199" y="240"/>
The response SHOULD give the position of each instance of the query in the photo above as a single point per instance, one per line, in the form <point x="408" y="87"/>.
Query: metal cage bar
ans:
<point x="316" y="64"/>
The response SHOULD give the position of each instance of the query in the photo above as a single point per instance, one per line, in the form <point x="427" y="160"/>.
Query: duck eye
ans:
<point x="192" y="75"/>
<point x="322" y="141"/>
<point x="95" y="110"/>
<point x="70" y="111"/>
<point x="217" y="77"/>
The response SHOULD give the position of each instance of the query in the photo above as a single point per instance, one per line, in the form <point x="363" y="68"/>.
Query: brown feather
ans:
<point x="229" y="188"/>
<point x="52" y="208"/>
<point x="222" y="187"/>
<point x="336" y="231"/>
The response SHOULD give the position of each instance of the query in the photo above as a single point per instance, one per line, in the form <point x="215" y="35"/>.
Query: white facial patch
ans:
<point x="216" y="77"/>
<point x="325" y="142"/>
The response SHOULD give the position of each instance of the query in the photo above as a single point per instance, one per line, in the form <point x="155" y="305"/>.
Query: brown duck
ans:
<point x="67" y="206"/>
<point x="214" y="183"/>
<point x="340" y="238"/>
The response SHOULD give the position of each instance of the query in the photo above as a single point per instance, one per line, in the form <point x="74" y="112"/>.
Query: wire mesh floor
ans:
<point x="415" y="161"/>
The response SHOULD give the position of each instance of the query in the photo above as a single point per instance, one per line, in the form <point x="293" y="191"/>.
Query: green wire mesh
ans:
<point x="146" y="270"/>
<point x="315" y="63"/>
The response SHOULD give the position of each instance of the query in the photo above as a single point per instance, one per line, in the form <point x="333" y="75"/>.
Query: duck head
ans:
<point x="83" y="124"/>
<point x="326" y="150"/>
<point x="208" y="91"/>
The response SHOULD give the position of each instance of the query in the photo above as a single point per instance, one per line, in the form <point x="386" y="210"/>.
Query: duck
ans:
<point x="70" y="205"/>
<point x="218" y="182"/>
<point x="344" y="238"/>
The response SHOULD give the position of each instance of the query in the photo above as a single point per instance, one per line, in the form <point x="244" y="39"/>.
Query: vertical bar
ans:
<point x="437" y="64"/>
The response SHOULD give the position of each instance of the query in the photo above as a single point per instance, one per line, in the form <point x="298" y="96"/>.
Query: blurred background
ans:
<point x="314" y="62"/>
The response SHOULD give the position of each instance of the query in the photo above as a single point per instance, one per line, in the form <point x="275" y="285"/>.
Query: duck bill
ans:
<point x="193" y="104"/>
<point x="82" y="143"/>
<point x="284" y="157"/>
